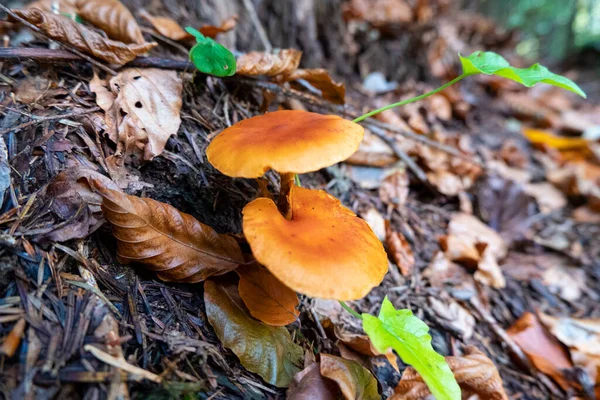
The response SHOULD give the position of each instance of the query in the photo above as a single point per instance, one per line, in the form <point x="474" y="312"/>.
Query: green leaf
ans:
<point x="268" y="351"/>
<point x="210" y="57"/>
<point x="489" y="63"/>
<point x="407" y="335"/>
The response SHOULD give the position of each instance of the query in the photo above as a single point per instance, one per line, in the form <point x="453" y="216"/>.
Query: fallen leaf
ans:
<point x="375" y="221"/>
<point x="471" y="242"/>
<point x="256" y="63"/>
<point x="113" y="18"/>
<point x="541" y="139"/>
<point x="355" y="381"/>
<point x="372" y="151"/>
<point x="454" y="315"/>
<point x="447" y="183"/>
<point x="440" y="107"/>
<point x="546" y="195"/>
<point x="441" y="271"/>
<point x="212" y="31"/>
<point x="513" y="154"/>
<point x="318" y="78"/>
<point x="475" y="373"/>
<point x="379" y="13"/>
<point x="409" y="337"/>
<point x="142" y="109"/>
<point x="173" y="244"/>
<point x="265" y="350"/>
<point x="363" y="345"/>
<point x="267" y="299"/>
<point x="578" y="178"/>
<point x="309" y="384"/>
<point x="63" y="29"/>
<point x="542" y="349"/>
<point x="582" y="336"/>
<point x="11" y="342"/>
<point x="399" y="250"/>
<point x="166" y="26"/>
<point x="394" y="188"/>
<point x="68" y="7"/>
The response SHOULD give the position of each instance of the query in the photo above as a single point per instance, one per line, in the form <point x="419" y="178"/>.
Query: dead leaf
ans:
<point x="375" y="221"/>
<point x="363" y="345"/>
<point x="141" y="109"/>
<point x="441" y="271"/>
<point x="309" y="384"/>
<point x="542" y="349"/>
<point x="318" y="78"/>
<point x="173" y="244"/>
<point x="475" y="373"/>
<point x="440" y="107"/>
<point x="454" y="315"/>
<point x="513" y="155"/>
<point x="267" y="299"/>
<point x="166" y="26"/>
<point x="547" y="196"/>
<point x="582" y="336"/>
<point x="379" y="13"/>
<point x="399" y="250"/>
<point x="256" y="63"/>
<point x="63" y="29"/>
<point x="578" y="178"/>
<point x="546" y="139"/>
<point x="113" y="18"/>
<point x="268" y="351"/>
<point x="11" y="342"/>
<point x="394" y="188"/>
<point x="212" y="31"/>
<point x="372" y="151"/>
<point x="471" y="242"/>
<point x="355" y="381"/>
<point x="68" y="7"/>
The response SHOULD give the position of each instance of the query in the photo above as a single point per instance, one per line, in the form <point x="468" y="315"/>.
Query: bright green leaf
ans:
<point x="490" y="63"/>
<point x="408" y="336"/>
<point x="268" y="351"/>
<point x="210" y="57"/>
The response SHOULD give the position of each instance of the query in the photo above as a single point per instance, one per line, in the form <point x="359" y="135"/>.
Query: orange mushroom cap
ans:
<point x="288" y="141"/>
<point x="324" y="251"/>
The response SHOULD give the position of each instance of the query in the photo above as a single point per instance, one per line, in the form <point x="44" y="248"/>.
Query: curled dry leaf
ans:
<point x="582" y="336"/>
<point x="373" y="151"/>
<point x="142" y="107"/>
<point x="319" y="78"/>
<point x="173" y="244"/>
<point x="548" y="197"/>
<point x="543" y="350"/>
<point x="579" y="178"/>
<point x="256" y="63"/>
<point x="475" y="373"/>
<point x="166" y="26"/>
<point x="113" y="18"/>
<point x="454" y="316"/>
<point x="268" y="351"/>
<point x="394" y="188"/>
<point x="212" y="31"/>
<point x="355" y="381"/>
<point x="63" y="7"/>
<point x="63" y="29"/>
<point x="363" y="345"/>
<point x="399" y="250"/>
<point x="266" y="297"/>
<point x="379" y="13"/>
<point x="309" y="384"/>
<point x="471" y="242"/>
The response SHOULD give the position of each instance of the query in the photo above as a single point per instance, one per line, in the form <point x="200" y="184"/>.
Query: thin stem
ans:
<point x="411" y="100"/>
<point x="297" y="180"/>
<point x="351" y="311"/>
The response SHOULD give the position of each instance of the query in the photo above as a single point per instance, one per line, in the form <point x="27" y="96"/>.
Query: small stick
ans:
<point x="70" y="47"/>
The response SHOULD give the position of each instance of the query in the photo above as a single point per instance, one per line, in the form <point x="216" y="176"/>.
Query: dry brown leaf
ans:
<point x="454" y="315"/>
<point x="166" y="26"/>
<point x="256" y="63"/>
<point x="212" y="31"/>
<point x="113" y="18"/>
<point x="399" y="249"/>
<point x="63" y="29"/>
<point x="547" y="196"/>
<point x="56" y="6"/>
<point x="363" y="345"/>
<point x="141" y="109"/>
<point x="440" y="107"/>
<point x="173" y="244"/>
<point x="471" y="242"/>
<point x="394" y="188"/>
<point x="442" y="271"/>
<point x="373" y="151"/>
<point x="11" y="342"/>
<point x="475" y="373"/>
<point x="355" y="381"/>
<point x="319" y="78"/>
<point x="375" y="221"/>
<point x="309" y="384"/>
<point x="542" y="349"/>
<point x="267" y="299"/>
<point x="582" y="336"/>
<point x="379" y="13"/>
<point x="579" y="178"/>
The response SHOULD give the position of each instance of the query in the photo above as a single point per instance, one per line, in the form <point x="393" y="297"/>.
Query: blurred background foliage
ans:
<point x="552" y="30"/>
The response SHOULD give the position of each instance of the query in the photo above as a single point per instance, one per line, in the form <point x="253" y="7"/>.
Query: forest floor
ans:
<point x="517" y="178"/>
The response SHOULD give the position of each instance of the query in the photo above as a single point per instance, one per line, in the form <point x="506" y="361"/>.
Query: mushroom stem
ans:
<point x="284" y="203"/>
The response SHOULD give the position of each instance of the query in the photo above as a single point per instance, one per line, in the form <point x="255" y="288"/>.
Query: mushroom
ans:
<point x="323" y="250"/>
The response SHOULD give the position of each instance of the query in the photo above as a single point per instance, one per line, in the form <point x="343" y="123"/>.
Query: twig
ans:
<point x="37" y="120"/>
<point x="259" y="28"/>
<point x="121" y="364"/>
<point x="70" y="47"/>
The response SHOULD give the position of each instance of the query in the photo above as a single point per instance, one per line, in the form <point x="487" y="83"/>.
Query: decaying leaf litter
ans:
<point x="72" y="312"/>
